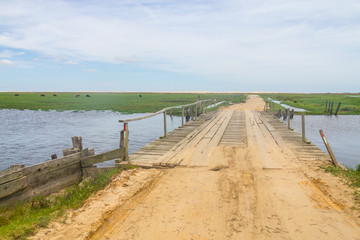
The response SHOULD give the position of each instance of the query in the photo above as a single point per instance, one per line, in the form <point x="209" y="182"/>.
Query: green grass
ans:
<point x="352" y="177"/>
<point x="120" y="102"/>
<point x="316" y="103"/>
<point x="22" y="220"/>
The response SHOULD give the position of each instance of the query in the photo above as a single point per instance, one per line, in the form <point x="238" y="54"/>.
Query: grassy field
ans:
<point x="121" y="102"/>
<point x="316" y="103"/>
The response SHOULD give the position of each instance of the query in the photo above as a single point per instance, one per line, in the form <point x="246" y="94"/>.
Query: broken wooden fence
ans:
<point x="20" y="183"/>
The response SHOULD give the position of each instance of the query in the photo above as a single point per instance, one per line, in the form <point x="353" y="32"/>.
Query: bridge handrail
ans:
<point x="164" y="110"/>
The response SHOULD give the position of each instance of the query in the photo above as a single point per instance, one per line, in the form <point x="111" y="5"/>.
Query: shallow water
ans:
<point x="342" y="133"/>
<point x="288" y="106"/>
<point x="29" y="137"/>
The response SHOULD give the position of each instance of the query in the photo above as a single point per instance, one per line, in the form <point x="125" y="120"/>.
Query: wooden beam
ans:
<point x="12" y="187"/>
<point x="10" y="177"/>
<point x="102" y="157"/>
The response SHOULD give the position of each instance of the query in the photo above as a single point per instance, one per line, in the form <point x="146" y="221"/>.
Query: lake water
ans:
<point x="342" y="133"/>
<point x="29" y="137"/>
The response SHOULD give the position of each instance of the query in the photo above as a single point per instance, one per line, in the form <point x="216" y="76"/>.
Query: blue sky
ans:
<point x="244" y="45"/>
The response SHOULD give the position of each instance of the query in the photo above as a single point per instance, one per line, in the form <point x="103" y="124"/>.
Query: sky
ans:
<point x="149" y="45"/>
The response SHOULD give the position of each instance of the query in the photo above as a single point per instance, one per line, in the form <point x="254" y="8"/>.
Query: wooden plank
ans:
<point x="9" y="188"/>
<point x="102" y="157"/>
<point x="52" y="164"/>
<point x="11" y="177"/>
<point x="11" y="169"/>
<point x="40" y="178"/>
<point x="46" y="189"/>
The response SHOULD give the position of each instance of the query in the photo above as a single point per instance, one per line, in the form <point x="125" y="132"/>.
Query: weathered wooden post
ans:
<point x="126" y="141"/>
<point x="204" y="107"/>
<point x="326" y="106"/>
<point x="303" y="126"/>
<point x="337" y="109"/>
<point x="77" y="146"/>
<point x="273" y="105"/>
<point x="165" y="129"/>
<point x="77" y="142"/>
<point x="332" y="104"/>
<point x="182" y="117"/>
<point x="327" y="145"/>
<point x="292" y="114"/>
<point x="288" y="110"/>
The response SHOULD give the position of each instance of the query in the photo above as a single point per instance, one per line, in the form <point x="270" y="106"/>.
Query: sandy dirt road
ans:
<point x="255" y="191"/>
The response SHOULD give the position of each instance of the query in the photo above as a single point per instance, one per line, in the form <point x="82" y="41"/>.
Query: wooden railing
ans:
<point x="200" y="107"/>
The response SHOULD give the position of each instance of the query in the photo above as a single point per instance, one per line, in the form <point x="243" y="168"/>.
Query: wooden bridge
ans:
<point x="220" y="128"/>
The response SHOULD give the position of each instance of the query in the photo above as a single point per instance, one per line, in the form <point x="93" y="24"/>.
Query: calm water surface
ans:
<point x="29" y="137"/>
<point x="342" y="132"/>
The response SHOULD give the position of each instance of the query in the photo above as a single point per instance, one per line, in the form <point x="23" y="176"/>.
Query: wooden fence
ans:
<point x="20" y="183"/>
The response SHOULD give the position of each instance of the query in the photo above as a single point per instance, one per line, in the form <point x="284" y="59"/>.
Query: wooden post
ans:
<point x="273" y="105"/>
<point x="303" y="126"/>
<point x="77" y="142"/>
<point x="165" y="128"/>
<point x="327" y="145"/>
<point x="204" y="107"/>
<point x="288" y="110"/>
<point x="337" y="109"/>
<point x="326" y="106"/>
<point x="126" y="141"/>
<point x="182" y="117"/>
<point x="122" y="143"/>
<point x="196" y="110"/>
<point x="292" y="114"/>
<point x="332" y="104"/>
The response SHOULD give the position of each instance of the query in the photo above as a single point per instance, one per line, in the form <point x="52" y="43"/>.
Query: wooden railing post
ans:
<point x="197" y="110"/>
<point x="182" y="117"/>
<point x="288" y="118"/>
<point x="303" y="126"/>
<point x="165" y="129"/>
<point x="204" y="107"/>
<point x="126" y="141"/>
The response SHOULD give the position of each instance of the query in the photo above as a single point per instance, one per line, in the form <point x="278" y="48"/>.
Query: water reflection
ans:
<point x="29" y="137"/>
<point x="342" y="132"/>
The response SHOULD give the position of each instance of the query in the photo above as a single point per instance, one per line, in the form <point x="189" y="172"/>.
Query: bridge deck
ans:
<point x="222" y="128"/>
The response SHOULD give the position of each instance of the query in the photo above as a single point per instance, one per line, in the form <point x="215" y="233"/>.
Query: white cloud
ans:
<point x="10" y="54"/>
<point x="6" y="62"/>
<point x="71" y="62"/>
<point x="238" y="39"/>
